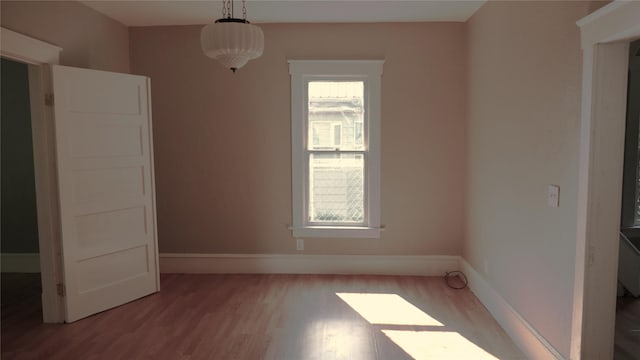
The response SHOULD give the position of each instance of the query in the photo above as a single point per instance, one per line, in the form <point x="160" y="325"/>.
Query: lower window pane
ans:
<point x="336" y="188"/>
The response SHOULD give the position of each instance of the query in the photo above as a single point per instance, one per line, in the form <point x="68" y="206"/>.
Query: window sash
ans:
<point x="365" y="184"/>
<point x="309" y="150"/>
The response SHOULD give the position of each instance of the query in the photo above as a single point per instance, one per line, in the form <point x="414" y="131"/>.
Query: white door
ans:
<point x="106" y="186"/>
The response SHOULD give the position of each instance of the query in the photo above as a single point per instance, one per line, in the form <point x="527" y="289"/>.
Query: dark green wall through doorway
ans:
<point x="18" y="212"/>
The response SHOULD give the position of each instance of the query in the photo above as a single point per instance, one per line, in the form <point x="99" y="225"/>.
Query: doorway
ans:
<point x="627" y="327"/>
<point x="605" y="38"/>
<point x="21" y="280"/>
<point x="94" y="182"/>
<point x="35" y="54"/>
<point x="105" y="178"/>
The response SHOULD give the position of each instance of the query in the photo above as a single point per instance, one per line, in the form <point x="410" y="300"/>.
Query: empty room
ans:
<point x="320" y="179"/>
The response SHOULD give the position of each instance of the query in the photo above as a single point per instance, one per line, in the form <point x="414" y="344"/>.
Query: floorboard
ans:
<point x="627" y="335"/>
<point x="277" y="317"/>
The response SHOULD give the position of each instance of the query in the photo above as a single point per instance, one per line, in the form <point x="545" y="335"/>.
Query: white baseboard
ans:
<point x="308" y="264"/>
<point x="20" y="263"/>
<point x="534" y="345"/>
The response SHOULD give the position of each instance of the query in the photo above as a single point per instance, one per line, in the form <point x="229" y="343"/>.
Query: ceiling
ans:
<point x="186" y="12"/>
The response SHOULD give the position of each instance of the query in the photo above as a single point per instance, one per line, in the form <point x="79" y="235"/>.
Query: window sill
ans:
<point x="336" y="232"/>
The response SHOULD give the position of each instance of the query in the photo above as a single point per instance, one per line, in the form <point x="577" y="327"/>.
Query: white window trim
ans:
<point x="301" y="71"/>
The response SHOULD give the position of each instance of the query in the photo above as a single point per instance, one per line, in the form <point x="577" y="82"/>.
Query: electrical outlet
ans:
<point x="300" y="244"/>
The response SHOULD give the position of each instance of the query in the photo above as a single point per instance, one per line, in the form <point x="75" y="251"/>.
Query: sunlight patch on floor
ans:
<point x="388" y="309"/>
<point x="437" y="345"/>
<point x="400" y="318"/>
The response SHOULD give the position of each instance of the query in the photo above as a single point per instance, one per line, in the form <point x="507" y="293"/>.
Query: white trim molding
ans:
<point x="20" y="262"/>
<point x="303" y="73"/>
<point x="534" y="345"/>
<point x="434" y="265"/>
<point x="22" y="48"/>
<point x="614" y="22"/>
<point x="336" y="67"/>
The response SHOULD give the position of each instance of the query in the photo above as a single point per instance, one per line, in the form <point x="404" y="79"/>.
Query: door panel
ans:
<point x="107" y="196"/>
<point x="93" y="185"/>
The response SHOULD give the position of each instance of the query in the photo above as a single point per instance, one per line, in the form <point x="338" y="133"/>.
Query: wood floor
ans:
<point x="277" y="317"/>
<point x="627" y="340"/>
<point x="19" y="287"/>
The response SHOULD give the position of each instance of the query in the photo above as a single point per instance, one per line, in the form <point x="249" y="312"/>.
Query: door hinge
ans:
<point x="62" y="291"/>
<point x="48" y="99"/>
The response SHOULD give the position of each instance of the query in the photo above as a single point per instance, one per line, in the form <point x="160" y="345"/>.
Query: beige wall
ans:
<point x="524" y="127"/>
<point x="223" y="144"/>
<point x="88" y="38"/>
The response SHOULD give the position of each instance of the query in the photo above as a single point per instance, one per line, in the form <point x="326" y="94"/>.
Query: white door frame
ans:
<point x="38" y="55"/>
<point x="605" y="36"/>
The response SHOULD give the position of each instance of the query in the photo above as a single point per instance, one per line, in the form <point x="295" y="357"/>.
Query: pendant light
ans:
<point x="231" y="41"/>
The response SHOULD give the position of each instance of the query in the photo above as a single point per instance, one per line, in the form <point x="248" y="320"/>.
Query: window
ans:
<point x="335" y="122"/>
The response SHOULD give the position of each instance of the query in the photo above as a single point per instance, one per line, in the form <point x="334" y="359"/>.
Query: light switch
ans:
<point x="553" y="196"/>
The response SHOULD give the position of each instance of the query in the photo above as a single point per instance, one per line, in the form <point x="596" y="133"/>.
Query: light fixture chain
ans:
<point x="244" y="9"/>
<point x="227" y="10"/>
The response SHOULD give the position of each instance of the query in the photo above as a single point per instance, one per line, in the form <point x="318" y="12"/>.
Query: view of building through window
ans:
<point x="336" y="150"/>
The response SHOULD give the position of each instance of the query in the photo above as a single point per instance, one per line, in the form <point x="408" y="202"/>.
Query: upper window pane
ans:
<point x="335" y="115"/>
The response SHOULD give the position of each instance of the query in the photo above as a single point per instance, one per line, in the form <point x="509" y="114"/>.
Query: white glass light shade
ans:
<point x="232" y="43"/>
